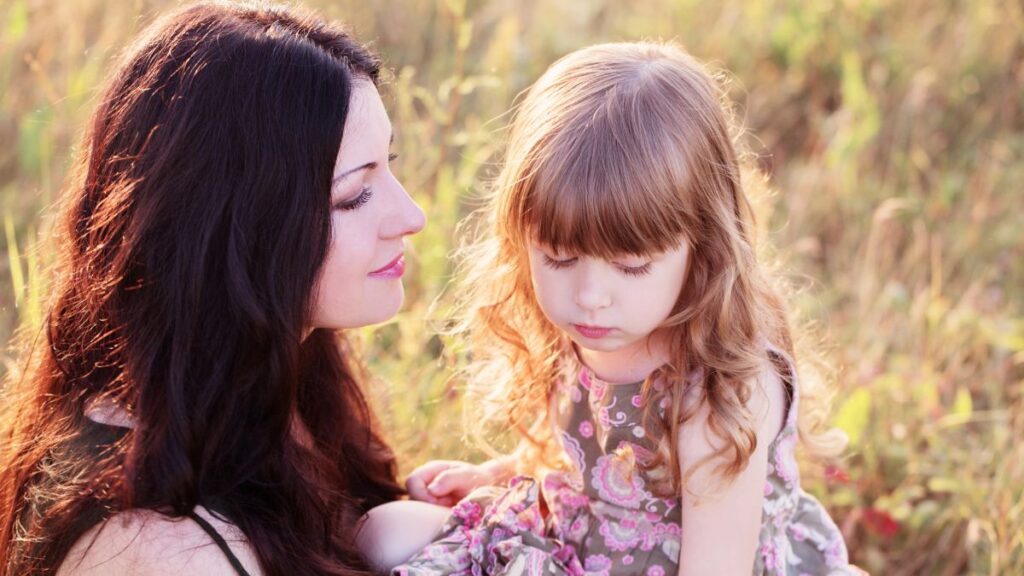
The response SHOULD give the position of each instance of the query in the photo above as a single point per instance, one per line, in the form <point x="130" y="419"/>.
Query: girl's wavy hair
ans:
<point x="625" y="149"/>
<point x="193" y="233"/>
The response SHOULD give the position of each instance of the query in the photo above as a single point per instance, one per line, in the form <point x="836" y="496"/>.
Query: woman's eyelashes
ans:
<point x="560" y="264"/>
<point x="364" y="196"/>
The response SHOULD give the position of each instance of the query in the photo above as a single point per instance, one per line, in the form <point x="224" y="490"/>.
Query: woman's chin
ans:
<point x="382" y="309"/>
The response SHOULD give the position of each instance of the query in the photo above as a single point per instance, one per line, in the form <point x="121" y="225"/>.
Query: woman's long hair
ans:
<point x="193" y="233"/>
<point x="626" y="149"/>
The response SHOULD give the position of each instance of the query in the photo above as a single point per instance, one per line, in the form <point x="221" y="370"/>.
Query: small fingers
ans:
<point x="456" y="482"/>
<point x="422" y="476"/>
<point x="417" y="489"/>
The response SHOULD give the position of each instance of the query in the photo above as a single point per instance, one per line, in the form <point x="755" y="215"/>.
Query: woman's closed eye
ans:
<point x="364" y="196"/>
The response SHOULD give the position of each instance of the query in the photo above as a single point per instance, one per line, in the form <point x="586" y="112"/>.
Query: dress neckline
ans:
<point x="584" y="371"/>
<point x="592" y="380"/>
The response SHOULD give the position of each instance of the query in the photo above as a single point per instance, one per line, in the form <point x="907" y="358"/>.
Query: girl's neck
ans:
<point x="629" y="364"/>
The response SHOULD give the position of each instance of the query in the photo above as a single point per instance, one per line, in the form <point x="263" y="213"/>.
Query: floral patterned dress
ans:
<point x="603" y="519"/>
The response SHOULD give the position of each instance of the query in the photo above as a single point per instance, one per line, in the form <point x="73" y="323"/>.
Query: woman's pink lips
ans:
<point x="393" y="269"/>
<point x="592" y="332"/>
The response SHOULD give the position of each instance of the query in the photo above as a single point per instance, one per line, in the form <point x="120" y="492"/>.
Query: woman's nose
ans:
<point x="406" y="218"/>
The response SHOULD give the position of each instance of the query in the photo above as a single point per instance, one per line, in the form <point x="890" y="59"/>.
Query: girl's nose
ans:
<point x="591" y="292"/>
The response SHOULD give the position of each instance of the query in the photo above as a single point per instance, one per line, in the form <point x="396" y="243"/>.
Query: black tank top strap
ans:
<point x="219" y="540"/>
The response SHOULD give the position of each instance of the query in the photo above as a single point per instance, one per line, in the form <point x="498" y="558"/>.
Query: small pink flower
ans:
<point x="468" y="511"/>
<point x="627" y="560"/>
<point x="597" y="388"/>
<point x="655" y="571"/>
<point x="597" y="563"/>
<point x="585" y="379"/>
<point x="835" y="554"/>
<point x="799" y="532"/>
<point x="637" y="400"/>
<point x="770" y="553"/>
<point x="768" y="489"/>
<point x="785" y="460"/>
<point x="586" y="429"/>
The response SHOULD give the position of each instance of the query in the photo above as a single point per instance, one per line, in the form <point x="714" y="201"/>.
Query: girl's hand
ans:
<point x="445" y="482"/>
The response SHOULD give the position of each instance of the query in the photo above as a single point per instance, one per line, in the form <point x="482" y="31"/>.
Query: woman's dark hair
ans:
<point x="193" y="232"/>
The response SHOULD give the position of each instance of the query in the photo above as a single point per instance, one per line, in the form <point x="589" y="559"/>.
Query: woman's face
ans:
<point x="360" y="282"/>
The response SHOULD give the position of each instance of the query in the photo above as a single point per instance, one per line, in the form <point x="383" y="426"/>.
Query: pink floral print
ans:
<point x="618" y="482"/>
<point x="601" y="518"/>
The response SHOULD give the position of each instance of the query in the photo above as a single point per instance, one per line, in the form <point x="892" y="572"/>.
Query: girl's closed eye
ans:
<point x="640" y="270"/>
<point x="635" y="264"/>
<point x="629" y="269"/>
<point x="559" y="263"/>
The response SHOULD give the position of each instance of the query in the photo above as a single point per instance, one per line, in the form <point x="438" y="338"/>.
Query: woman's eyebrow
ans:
<point x="367" y="166"/>
<point x="347" y="173"/>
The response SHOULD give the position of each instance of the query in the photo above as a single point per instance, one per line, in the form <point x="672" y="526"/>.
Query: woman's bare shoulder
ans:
<point x="147" y="543"/>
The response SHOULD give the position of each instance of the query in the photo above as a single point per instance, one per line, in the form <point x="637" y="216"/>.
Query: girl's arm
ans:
<point x="722" y="524"/>
<point x="445" y="482"/>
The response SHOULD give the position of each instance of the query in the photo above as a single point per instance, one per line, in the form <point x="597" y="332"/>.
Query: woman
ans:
<point x="190" y="408"/>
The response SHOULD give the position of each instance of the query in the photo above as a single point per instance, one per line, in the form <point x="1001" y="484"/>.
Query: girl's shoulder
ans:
<point x="774" y="390"/>
<point x="148" y="543"/>
<point x="772" y="400"/>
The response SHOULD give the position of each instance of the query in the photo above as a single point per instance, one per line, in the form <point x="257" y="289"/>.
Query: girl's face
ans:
<point x="607" y="305"/>
<point x="360" y="282"/>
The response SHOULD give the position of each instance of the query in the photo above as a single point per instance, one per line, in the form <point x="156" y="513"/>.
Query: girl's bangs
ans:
<point x="598" y="194"/>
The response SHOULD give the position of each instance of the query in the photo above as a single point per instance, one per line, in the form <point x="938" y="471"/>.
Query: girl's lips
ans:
<point x="393" y="269"/>
<point x="592" y="332"/>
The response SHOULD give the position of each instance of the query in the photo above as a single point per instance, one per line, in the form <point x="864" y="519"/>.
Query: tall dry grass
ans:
<point x="893" y="133"/>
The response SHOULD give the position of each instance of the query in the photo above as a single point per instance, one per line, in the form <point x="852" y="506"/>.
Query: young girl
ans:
<point x="619" y="319"/>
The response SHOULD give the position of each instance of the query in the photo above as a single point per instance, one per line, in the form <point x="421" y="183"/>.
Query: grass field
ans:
<point x="893" y="135"/>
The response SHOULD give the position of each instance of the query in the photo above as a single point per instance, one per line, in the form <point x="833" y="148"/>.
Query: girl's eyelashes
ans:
<point x="558" y="264"/>
<point x="363" y="197"/>
<point x="392" y="157"/>
<point x="642" y="270"/>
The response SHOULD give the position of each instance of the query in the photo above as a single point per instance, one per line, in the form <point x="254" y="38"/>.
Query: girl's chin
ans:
<point x="605" y="344"/>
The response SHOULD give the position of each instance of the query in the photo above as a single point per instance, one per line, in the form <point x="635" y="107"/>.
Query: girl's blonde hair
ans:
<point x="622" y="149"/>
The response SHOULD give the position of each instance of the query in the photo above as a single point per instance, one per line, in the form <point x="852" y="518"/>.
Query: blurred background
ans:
<point x="892" y="134"/>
